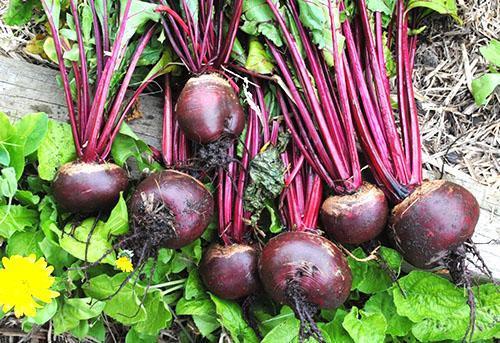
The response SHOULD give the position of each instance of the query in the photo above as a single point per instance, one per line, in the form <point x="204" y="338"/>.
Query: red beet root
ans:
<point x="301" y="264"/>
<point x="173" y="208"/>
<point x="89" y="187"/>
<point x="436" y="218"/>
<point x="208" y="108"/>
<point x="230" y="272"/>
<point x="355" y="218"/>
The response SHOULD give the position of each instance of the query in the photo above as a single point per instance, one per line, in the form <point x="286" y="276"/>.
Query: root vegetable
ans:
<point x="174" y="205"/>
<point x="208" y="109"/>
<point x="296" y="264"/>
<point x="435" y="219"/>
<point x="96" y="105"/>
<point x="319" y="116"/>
<point x="230" y="271"/>
<point x="355" y="218"/>
<point x="89" y="187"/>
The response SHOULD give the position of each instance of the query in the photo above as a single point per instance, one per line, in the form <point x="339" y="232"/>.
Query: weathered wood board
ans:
<point x="27" y="88"/>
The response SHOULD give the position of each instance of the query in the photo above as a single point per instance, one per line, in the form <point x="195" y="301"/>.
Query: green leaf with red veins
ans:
<point x="258" y="59"/>
<point x="384" y="6"/>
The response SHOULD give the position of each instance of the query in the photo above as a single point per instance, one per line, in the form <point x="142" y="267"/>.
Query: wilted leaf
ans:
<point x="258" y="59"/>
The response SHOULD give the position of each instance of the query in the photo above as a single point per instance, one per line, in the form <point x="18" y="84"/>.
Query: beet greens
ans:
<point x="97" y="106"/>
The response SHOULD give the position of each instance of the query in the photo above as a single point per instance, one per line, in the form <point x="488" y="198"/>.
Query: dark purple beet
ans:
<point x="208" y="108"/>
<point x="230" y="272"/>
<point x="355" y="218"/>
<point x="177" y="202"/>
<point x="89" y="187"/>
<point x="301" y="263"/>
<point x="436" y="218"/>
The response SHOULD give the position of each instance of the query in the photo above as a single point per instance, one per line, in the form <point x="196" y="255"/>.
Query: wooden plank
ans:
<point x="27" y="88"/>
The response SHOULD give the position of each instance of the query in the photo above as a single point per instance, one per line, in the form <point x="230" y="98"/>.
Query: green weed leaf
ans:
<point x="365" y="327"/>
<point x="231" y="318"/>
<point x="56" y="149"/>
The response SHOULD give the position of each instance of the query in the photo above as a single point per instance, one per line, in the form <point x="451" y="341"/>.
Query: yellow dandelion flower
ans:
<point x="124" y="264"/>
<point x="25" y="284"/>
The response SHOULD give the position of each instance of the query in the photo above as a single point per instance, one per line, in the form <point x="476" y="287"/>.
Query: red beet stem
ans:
<point x="395" y="160"/>
<point x="94" y="130"/>
<point x="193" y="39"/>
<point x="322" y="124"/>
<point x="168" y="125"/>
<point x="301" y="199"/>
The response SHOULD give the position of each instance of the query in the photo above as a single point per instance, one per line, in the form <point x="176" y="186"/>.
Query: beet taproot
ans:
<point x="230" y="271"/>
<point x="355" y="218"/>
<point x="436" y="218"/>
<point x="208" y="109"/>
<point x="178" y="205"/>
<point x="306" y="263"/>
<point x="87" y="188"/>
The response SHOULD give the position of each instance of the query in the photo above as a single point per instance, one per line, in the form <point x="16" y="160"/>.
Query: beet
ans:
<point x="435" y="219"/>
<point x="305" y="263"/>
<point x="208" y="108"/>
<point x="230" y="271"/>
<point x="171" y="208"/>
<point x="89" y="187"/>
<point x="355" y="218"/>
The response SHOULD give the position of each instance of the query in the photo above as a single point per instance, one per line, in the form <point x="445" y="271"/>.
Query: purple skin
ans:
<point x="208" y="108"/>
<point x="230" y="272"/>
<point x="355" y="218"/>
<point x="436" y="218"/>
<point x="87" y="188"/>
<point x="187" y="198"/>
<point x="313" y="262"/>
